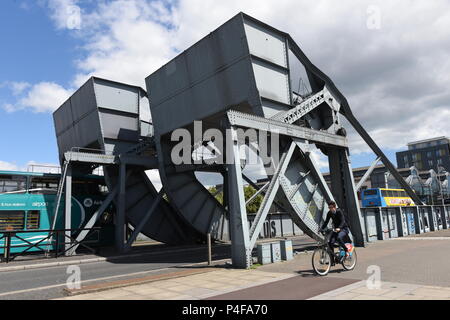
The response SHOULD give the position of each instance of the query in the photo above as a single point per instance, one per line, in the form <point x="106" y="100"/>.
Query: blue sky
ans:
<point x="43" y="61"/>
<point x="33" y="51"/>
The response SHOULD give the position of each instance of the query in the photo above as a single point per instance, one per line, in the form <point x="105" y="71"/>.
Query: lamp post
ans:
<point x="441" y="170"/>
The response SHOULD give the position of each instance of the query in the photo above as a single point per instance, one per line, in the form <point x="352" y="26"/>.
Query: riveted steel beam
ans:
<point x="250" y="121"/>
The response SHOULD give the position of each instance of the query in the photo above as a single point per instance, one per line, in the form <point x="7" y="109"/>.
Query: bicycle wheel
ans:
<point x="349" y="263"/>
<point x="321" y="261"/>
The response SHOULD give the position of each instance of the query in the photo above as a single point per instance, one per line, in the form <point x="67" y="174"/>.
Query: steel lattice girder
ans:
<point x="242" y="74"/>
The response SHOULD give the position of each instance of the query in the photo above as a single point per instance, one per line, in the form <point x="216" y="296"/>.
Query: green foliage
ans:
<point x="249" y="191"/>
<point x="218" y="196"/>
<point x="253" y="206"/>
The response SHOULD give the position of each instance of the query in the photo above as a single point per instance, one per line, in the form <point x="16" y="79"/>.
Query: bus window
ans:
<point x="10" y="183"/>
<point x="12" y="220"/>
<point x="371" y="192"/>
<point x="43" y="185"/>
<point x="384" y="193"/>
<point x="33" y="220"/>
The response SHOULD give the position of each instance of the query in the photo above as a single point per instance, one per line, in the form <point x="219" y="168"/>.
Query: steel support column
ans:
<point x="68" y="211"/>
<point x="147" y="216"/>
<point x="270" y="195"/>
<point x="120" y="212"/>
<point x="241" y="253"/>
<point x="343" y="188"/>
<point x="93" y="220"/>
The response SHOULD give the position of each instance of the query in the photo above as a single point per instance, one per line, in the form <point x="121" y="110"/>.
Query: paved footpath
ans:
<point x="410" y="268"/>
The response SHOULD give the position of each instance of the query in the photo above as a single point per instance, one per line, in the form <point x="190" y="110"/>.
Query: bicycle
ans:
<point x="324" y="257"/>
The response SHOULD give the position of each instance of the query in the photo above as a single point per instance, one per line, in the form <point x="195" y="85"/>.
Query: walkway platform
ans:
<point x="294" y="280"/>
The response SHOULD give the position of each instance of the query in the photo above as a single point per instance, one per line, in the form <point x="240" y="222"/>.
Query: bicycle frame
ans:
<point x="325" y="243"/>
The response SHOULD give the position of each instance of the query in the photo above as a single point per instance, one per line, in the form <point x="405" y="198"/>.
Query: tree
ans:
<point x="249" y="191"/>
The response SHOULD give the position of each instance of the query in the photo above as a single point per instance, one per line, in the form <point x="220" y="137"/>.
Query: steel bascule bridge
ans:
<point x="244" y="75"/>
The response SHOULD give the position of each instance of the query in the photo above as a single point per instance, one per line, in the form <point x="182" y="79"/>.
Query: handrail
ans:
<point x="10" y="234"/>
<point x="99" y="151"/>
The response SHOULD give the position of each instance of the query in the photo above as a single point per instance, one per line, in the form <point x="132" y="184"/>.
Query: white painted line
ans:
<point x="422" y="238"/>
<point x="332" y="293"/>
<point x="93" y="260"/>
<point x="103" y="278"/>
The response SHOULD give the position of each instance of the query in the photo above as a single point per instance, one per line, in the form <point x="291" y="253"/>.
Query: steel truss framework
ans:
<point x="296" y="181"/>
<point x="125" y="164"/>
<point x="243" y="81"/>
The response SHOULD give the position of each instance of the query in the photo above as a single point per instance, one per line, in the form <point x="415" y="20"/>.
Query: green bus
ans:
<point x="27" y="202"/>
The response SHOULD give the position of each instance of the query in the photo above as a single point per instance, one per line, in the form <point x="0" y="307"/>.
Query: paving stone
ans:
<point x="144" y="290"/>
<point x="180" y="288"/>
<point x="344" y="296"/>
<point x="425" y="291"/>
<point x="371" y="292"/>
<point x="369" y="297"/>
<point x="198" y="292"/>
<point x="410" y="297"/>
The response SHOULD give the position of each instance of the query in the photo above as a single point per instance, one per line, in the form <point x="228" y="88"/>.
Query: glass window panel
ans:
<point x="11" y="183"/>
<point x="12" y="220"/>
<point x="33" y="220"/>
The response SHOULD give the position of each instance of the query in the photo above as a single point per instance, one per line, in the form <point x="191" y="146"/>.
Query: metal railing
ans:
<point x="53" y="238"/>
<point x="44" y="168"/>
<point x="91" y="150"/>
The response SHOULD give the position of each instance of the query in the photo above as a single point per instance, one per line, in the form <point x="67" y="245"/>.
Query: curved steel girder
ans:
<point x="164" y="225"/>
<point x="193" y="203"/>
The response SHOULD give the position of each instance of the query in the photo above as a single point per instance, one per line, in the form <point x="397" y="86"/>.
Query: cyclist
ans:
<point x="340" y="226"/>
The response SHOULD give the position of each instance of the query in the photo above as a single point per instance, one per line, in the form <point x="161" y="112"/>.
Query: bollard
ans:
<point x="276" y="251"/>
<point x="57" y="245"/>
<point x="7" y="251"/>
<point x="286" y="250"/>
<point x="208" y="236"/>
<point x="264" y="253"/>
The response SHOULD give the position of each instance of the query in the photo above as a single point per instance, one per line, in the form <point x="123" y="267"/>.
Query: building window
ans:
<point x="439" y="162"/>
<point x="430" y="163"/>
<point x="429" y="154"/>
<point x="440" y="152"/>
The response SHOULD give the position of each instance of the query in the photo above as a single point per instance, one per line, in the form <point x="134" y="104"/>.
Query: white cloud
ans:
<point x="16" y="87"/>
<point x="390" y="76"/>
<point x="62" y="12"/>
<point x="41" y="97"/>
<point x="30" y="166"/>
<point x="154" y="177"/>
<point x="395" y="78"/>
<point x="320" y="159"/>
<point x="8" y="166"/>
